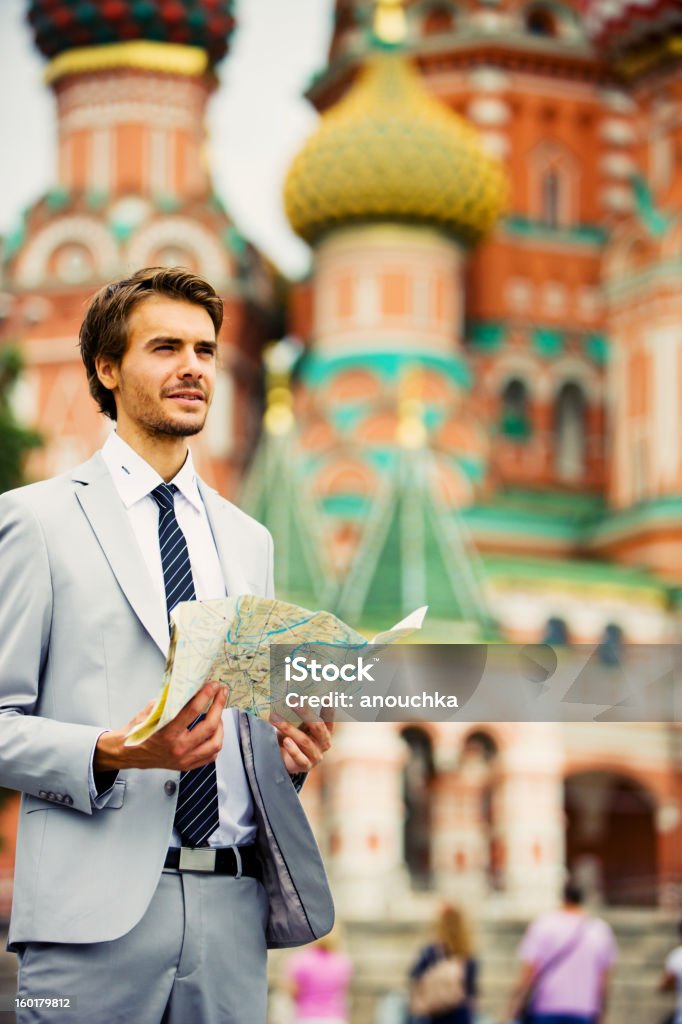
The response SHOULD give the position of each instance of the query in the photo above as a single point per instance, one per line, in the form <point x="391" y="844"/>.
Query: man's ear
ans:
<point x="107" y="372"/>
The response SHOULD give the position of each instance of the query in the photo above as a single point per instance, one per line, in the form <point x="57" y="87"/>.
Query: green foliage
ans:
<point x="15" y="440"/>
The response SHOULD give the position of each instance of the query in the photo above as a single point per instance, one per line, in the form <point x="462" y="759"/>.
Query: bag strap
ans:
<point x="560" y="954"/>
<point x="441" y="953"/>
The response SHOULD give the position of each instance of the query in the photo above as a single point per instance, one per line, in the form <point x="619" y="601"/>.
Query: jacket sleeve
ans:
<point x="38" y="756"/>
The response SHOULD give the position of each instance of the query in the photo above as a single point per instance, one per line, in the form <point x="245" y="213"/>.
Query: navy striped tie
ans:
<point x="196" y="816"/>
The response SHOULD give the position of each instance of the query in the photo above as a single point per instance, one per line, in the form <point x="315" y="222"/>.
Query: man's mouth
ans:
<point x="188" y="396"/>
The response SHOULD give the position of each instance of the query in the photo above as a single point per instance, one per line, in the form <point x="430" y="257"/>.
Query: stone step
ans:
<point x="384" y="951"/>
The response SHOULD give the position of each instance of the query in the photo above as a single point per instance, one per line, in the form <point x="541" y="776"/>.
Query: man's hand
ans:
<point x="303" y="746"/>
<point x="175" y="746"/>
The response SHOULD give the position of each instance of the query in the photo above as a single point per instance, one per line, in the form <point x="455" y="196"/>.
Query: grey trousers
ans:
<point x="198" y="955"/>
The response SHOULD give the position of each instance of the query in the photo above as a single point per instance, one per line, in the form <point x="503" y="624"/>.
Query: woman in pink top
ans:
<point x="318" y="979"/>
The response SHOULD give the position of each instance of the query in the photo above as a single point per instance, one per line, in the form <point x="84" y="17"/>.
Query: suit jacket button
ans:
<point x="42" y="793"/>
<point x="51" y="796"/>
<point x="68" y="800"/>
<point x="170" y="787"/>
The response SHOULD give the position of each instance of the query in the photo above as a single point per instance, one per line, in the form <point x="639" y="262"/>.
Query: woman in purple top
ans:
<point x="318" y="979"/>
<point x="566" y="958"/>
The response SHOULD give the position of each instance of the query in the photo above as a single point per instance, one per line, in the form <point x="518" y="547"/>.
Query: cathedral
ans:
<point x="473" y="403"/>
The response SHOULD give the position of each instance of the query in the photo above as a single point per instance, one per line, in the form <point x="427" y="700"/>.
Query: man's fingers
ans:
<point x="205" y="752"/>
<point x="306" y="744"/>
<point x="302" y="762"/>
<point x="209" y="694"/>
<point x="214" y="712"/>
<point x="327" y="716"/>
<point x="194" y="735"/>
<point x="309" y="735"/>
<point x="141" y="715"/>
<point x="321" y="732"/>
<point x="191" y="747"/>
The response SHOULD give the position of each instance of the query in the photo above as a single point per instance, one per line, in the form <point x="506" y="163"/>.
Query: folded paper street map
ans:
<point x="229" y="640"/>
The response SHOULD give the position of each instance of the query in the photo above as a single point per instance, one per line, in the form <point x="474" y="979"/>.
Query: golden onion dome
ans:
<point x="391" y="151"/>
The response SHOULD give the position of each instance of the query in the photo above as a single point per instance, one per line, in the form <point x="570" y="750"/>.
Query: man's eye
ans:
<point x="160" y="348"/>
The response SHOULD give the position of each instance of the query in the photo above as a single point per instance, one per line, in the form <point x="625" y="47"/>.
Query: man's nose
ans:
<point x="190" y="365"/>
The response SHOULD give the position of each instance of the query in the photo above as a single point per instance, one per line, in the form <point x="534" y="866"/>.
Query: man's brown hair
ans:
<point x="104" y="331"/>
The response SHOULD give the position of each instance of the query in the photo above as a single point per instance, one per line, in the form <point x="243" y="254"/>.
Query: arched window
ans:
<point x="478" y="767"/>
<point x="604" y="810"/>
<point x="551" y="197"/>
<point x="569" y="428"/>
<point x="515" y="412"/>
<point x="437" y="20"/>
<point x="418" y="774"/>
<point x="73" y="263"/>
<point x="556" y="632"/>
<point x="480" y="744"/>
<point x="174" y="256"/>
<point x="553" y="179"/>
<point x="610" y="648"/>
<point x="541" y="22"/>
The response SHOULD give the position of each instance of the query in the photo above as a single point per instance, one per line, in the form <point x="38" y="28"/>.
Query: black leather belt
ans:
<point x="229" y="860"/>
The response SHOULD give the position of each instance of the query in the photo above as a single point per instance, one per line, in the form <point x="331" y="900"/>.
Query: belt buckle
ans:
<point x="200" y="859"/>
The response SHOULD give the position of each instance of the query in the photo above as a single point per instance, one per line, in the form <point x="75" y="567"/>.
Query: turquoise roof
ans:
<point x="547" y="341"/>
<point x="277" y="494"/>
<point x="576" y="571"/>
<point x="532" y="514"/>
<point x="597" y="348"/>
<point x="485" y="335"/>
<point x="579" y="234"/>
<point x="638" y="517"/>
<point x="413" y="552"/>
<point x="318" y="369"/>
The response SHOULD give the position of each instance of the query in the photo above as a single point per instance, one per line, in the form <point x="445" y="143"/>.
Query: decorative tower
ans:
<point x="391" y="191"/>
<point x="526" y="76"/>
<point x="533" y="333"/>
<point x="643" y="285"/>
<point x="133" y="188"/>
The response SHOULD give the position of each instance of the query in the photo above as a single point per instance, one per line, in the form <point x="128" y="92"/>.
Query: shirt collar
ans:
<point x="134" y="478"/>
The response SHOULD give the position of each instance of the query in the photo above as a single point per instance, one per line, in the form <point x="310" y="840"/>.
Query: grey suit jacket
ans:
<point x="82" y="648"/>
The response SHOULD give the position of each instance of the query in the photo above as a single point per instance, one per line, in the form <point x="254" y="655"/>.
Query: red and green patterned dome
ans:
<point x="61" y="25"/>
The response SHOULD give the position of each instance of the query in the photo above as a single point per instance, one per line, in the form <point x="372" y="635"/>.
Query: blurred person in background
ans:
<point x="566" y="959"/>
<point x="671" y="980"/>
<point x="443" y="980"/>
<point x="318" y="979"/>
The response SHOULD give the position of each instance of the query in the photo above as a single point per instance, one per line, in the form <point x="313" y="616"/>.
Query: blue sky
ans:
<point x="257" y="119"/>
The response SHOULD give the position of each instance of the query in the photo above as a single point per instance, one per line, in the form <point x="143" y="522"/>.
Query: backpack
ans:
<point x="439" y="989"/>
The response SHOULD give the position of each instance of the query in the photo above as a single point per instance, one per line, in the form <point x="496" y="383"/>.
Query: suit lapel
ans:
<point x="221" y="520"/>
<point x="102" y="506"/>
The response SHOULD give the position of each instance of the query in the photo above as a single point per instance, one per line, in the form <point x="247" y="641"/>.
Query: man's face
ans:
<point x="164" y="383"/>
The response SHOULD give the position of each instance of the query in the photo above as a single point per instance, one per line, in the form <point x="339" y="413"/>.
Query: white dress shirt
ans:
<point x="134" y="479"/>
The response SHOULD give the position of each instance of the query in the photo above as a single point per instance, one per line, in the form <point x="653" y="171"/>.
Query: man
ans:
<point x="671" y="979"/>
<point x="566" y="959"/>
<point x="149" y="879"/>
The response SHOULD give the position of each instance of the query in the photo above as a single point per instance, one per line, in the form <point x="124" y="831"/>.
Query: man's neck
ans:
<point x="164" y="454"/>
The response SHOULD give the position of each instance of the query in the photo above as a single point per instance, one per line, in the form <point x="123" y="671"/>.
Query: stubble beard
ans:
<point x="167" y="428"/>
<point x="156" y="425"/>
